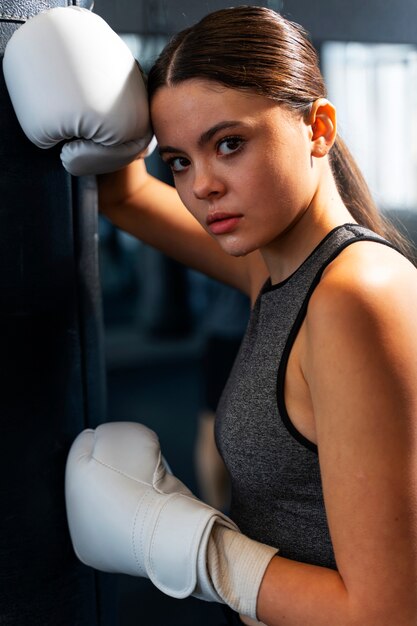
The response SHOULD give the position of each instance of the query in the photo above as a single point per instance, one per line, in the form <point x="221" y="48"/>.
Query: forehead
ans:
<point x="195" y="105"/>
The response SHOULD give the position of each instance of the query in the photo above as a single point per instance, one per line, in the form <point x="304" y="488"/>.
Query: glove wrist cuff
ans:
<point x="237" y="566"/>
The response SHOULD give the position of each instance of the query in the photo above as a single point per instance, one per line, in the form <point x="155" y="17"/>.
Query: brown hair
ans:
<point x="256" y="49"/>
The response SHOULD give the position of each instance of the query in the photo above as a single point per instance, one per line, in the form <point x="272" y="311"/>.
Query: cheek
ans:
<point x="289" y="174"/>
<point x="263" y="181"/>
<point x="250" y="178"/>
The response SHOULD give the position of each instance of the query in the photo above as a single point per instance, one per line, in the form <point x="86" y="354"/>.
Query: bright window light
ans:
<point x="374" y="88"/>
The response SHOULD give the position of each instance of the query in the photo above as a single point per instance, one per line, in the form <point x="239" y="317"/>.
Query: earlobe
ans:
<point x="322" y="120"/>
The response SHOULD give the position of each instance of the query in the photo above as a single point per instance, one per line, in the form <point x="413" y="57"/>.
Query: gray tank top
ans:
<point x="277" y="495"/>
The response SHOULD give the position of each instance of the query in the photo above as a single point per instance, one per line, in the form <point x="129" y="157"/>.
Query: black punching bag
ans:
<point x="51" y="368"/>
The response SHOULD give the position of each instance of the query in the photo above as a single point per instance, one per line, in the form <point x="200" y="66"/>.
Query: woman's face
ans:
<point x="242" y="164"/>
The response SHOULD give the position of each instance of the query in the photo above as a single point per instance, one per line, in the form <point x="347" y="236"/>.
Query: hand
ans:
<point x="71" y="78"/>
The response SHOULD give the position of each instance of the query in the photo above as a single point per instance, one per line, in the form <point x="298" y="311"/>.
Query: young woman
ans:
<point x="318" y="423"/>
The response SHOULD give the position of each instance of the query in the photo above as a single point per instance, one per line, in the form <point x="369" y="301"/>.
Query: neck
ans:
<point x="325" y="211"/>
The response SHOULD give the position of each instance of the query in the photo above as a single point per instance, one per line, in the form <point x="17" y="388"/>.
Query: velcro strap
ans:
<point x="174" y="543"/>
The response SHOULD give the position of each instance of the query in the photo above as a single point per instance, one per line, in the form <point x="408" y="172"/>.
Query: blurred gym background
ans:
<point x="156" y="311"/>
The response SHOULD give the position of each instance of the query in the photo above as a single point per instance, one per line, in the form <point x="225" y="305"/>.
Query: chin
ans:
<point x="235" y="245"/>
<point x="238" y="250"/>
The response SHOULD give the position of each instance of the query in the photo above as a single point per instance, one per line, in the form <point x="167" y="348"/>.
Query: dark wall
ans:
<point x="370" y="20"/>
<point x="390" y="21"/>
<point x="162" y="16"/>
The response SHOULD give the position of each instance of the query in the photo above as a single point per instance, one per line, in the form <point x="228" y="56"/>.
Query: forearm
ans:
<point x="297" y="594"/>
<point x="115" y="188"/>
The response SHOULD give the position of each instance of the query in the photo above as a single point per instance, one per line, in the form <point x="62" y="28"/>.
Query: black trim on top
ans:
<point x="286" y="420"/>
<point x="268" y="287"/>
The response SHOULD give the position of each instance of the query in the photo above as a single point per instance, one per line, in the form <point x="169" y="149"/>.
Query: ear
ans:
<point x="322" y="120"/>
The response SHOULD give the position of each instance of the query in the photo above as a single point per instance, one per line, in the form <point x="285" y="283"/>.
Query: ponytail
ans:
<point x="357" y="198"/>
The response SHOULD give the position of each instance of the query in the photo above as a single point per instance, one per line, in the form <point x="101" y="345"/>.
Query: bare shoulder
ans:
<point x="368" y="280"/>
<point x="361" y="332"/>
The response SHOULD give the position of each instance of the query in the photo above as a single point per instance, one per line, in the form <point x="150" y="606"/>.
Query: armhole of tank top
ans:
<point x="293" y="334"/>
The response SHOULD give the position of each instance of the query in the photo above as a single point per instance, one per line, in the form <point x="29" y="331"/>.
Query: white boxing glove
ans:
<point x="71" y="78"/>
<point x="128" y="514"/>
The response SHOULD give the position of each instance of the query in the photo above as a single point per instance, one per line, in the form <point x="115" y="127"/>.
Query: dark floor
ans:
<point x="158" y="383"/>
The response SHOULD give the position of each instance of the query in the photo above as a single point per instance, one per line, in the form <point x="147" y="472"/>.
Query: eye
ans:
<point x="178" y="164"/>
<point x="229" y="145"/>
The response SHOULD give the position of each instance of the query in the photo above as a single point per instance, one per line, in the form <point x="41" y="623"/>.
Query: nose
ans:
<point x="207" y="183"/>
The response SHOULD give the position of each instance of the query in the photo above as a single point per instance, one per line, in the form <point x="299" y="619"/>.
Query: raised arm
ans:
<point x="153" y="212"/>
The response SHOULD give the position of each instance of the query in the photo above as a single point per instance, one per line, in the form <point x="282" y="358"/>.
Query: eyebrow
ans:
<point x="204" y="137"/>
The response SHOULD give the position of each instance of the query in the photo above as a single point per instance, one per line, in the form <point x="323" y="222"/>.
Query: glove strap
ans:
<point x="173" y="539"/>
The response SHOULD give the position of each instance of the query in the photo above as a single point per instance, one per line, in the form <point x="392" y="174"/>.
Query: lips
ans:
<point x="220" y="223"/>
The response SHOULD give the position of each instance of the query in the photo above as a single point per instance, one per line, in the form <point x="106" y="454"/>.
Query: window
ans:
<point x="374" y="87"/>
